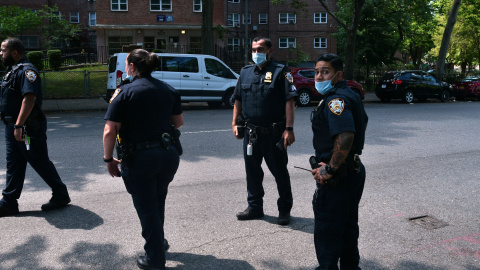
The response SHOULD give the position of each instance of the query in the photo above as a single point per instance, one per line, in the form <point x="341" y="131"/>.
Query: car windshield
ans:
<point x="471" y="79"/>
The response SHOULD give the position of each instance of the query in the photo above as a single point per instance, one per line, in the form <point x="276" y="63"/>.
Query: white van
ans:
<point x="197" y="77"/>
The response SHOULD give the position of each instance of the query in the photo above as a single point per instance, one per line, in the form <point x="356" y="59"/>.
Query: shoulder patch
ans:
<point x="288" y="76"/>
<point x="117" y="91"/>
<point x="336" y="105"/>
<point x="31" y="75"/>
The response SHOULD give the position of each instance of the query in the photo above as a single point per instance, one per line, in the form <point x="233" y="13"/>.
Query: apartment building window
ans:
<point x="249" y="18"/>
<point x="249" y="42"/>
<point x="197" y="5"/>
<point x="320" y="43"/>
<point x="287" y="42"/>
<point x="284" y="18"/>
<point x="30" y="42"/>
<point x="160" y="5"/>
<point x="149" y="43"/>
<point x="115" y="43"/>
<point x="234" y="1"/>
<point x="119" y="5"/>
<point x="74" y="17"/>
<point x="57" y="14"/>
<point x="92" y="18"/>
<point x="233" y="20"/>
<point x="320" y="17"/>
<point x="233" y="44"/>
<point x="262" y="18"/>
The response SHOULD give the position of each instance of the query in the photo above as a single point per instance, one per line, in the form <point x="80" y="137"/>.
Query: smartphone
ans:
<point x="281" y="144"/>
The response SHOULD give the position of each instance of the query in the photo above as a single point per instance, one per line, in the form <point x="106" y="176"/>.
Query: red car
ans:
<point x="467" y="88"/>
<point x="304" y="81"/>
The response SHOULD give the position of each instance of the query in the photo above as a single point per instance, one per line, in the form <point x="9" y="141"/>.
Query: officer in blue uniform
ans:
<point x="141" y="117"/>
<point x="338" y="125"/>
<point x="25" y="130"/>
<point x="265" y="101"/>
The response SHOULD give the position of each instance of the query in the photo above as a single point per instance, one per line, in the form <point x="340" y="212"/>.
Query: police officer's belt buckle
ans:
<point x="268" y="77"/>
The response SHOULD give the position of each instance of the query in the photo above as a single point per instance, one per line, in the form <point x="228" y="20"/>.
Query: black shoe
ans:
<point x="166" y="246"/>
<point x="283" y="219"/>
<point x="249" y="214"/>
<point x="55" y="204"/>
<point x="8" y="210"/>
<point x="142" y="263"/>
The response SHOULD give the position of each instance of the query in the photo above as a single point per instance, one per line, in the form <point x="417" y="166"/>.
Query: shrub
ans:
<point x="55" y="59"/>
<point x="36" y="58"/>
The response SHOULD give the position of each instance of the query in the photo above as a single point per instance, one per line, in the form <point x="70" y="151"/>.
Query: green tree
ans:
<point x="56" y="29"/>
<point x="14" y="21"/>
<point x="452" y="17"/>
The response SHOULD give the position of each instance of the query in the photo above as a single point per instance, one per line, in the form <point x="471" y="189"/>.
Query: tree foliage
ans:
<point x="14" y="21"/>
<point x="56" y="29"/>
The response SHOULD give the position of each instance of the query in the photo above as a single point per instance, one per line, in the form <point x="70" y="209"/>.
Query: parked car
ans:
<point x="467" y="88"/>
<point x="304" y="81"/>
<point x="409" y="85"/>
<point x="197" y="77"/>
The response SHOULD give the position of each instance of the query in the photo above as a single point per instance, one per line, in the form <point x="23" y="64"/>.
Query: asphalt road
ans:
<point x="421" y="160"/>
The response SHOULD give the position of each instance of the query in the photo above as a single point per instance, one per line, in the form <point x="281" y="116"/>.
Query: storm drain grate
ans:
<point x="428" y="222"/>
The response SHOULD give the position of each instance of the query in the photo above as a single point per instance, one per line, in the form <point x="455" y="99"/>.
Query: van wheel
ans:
<point x="408" y="96"/>
<point x="229" y="99"/>
<point x="214" y="104"/>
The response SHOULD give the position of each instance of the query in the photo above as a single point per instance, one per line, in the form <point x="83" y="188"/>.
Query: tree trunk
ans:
<point x="207" y="27"/>
<point x="442" y="54"/>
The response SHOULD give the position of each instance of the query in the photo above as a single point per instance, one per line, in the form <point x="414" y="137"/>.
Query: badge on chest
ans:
<point x="268" y="77"/>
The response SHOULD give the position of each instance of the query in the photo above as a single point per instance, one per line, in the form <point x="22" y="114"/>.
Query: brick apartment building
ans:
<point x="78" y="12"/>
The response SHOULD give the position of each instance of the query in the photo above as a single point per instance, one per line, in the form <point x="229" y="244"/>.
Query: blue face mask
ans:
<point x="129" y="78"/>
<point x="259" y="58"/>
<point x="325" y="86"/>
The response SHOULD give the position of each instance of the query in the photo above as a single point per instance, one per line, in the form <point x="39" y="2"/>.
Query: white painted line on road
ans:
<point x="207" y="131"/>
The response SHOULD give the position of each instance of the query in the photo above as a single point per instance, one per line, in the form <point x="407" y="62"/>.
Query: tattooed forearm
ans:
<point x="341" y="148"/>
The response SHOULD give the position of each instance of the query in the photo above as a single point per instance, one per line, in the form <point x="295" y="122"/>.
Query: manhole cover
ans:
<point x="428" y="222"/>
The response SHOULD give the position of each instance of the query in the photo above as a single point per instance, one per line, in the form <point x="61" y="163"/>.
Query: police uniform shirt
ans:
<point x="341" y="111"/>
<point x="144" y="108"/>
<point x="264" y="92"/>
<point x="25" y="79"/>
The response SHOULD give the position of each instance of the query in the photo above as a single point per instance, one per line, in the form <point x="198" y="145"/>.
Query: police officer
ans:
<point x="25" y="130"/>
<point x="265" y="99"/>
<point x="142" y="114"/>
<point x="338" y="124"/>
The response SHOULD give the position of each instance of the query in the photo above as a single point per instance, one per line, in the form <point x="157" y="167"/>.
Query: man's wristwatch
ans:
<point x="329" y="170"/>
<point x="17" y="126"/>
<point x="289" y="128"/>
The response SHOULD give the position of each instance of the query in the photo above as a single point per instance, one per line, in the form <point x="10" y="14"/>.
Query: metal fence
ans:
<point x="73" y="84"/>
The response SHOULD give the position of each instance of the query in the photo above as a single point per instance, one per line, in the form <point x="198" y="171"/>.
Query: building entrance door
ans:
<point x="161" y="43"/>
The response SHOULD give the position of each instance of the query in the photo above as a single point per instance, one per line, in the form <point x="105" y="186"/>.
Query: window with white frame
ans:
<point x="57" y="14"/>
<point x="74" y="17"/>
<point x="320" y="42"/>
<point x="160" y="5"/>
<point x="284" y="18"/>
<point x="30" y="42"/>
<point x="119" y="5"/>
<point x="287" y="42"/>
<point x="233" y="44"/>
<point x="233" y="19"/>
<point x="249" y="18"/>
<point x="233" y="1"/>
<point x="92" y="18"/>
<point x="262" y="18"/>
<point x="320" y="17"/>
<point x="197" y="5"/>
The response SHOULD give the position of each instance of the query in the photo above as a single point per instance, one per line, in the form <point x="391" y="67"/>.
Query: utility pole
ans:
<point x="245" y="20"/>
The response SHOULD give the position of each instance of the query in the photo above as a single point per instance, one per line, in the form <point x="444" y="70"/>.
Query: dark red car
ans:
<point x="467" y="88"/>
<point x="304" y="81"/>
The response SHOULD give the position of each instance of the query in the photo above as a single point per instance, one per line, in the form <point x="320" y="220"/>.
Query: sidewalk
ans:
<point x="65" y="105"/>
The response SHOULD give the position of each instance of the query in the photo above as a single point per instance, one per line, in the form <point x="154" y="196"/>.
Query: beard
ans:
<point x="8" y="61"/>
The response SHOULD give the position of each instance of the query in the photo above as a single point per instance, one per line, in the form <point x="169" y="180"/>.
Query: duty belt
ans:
<point x="259" y="129"/>
<point x="165" y="142"/>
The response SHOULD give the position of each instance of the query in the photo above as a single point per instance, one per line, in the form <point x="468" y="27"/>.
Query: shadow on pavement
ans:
<point x="195" y="261"/>
<point x="70" y="217"/>
<point x="302" y="224"/>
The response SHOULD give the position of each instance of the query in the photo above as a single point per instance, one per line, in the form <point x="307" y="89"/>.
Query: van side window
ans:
<point x="169" y="64"/>
<point x="188" y="64"/>
<point x="218" y="69"/>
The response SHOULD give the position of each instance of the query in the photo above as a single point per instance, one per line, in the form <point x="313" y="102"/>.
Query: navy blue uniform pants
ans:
<point x="276" y="160"/>
<point x="147" y="179"/>
<point x="336" y="223"/>
<point x="37" y="157"/>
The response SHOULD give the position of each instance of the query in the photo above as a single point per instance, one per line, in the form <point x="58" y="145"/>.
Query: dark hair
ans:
<point x="143" y="61"/>
<point x="333" y="59"/>
<point x="268" y="42"/>
<point x="15" y="44"/>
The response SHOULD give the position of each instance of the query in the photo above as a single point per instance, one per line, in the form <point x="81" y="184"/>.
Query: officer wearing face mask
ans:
<point x="265" y="99"/>
<point x="338" y="125"/>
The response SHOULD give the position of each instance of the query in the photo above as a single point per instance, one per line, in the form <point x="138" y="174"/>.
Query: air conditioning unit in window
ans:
<point x="291" y="45"/>
<point x="236" y="25"/>
<point x="291" y="21"/>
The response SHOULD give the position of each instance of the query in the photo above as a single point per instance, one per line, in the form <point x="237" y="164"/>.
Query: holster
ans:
<point x="175" y="134"/>
<point x="125" y="152"/>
